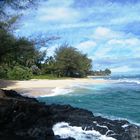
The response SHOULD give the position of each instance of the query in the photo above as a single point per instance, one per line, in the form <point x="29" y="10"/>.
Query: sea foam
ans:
<point x="64" y="130"/>
<point x="129" y="81"/>
<point x="58" y="91"/>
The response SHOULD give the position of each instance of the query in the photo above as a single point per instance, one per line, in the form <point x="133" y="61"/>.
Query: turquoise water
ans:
<point x="113" y="100"/>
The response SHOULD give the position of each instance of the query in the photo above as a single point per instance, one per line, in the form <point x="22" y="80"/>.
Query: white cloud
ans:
<point x="59" y="2"/>
<point x="58" y="14"/>
<point x="124" y="18"/>
<point x="121" y="69"/>
<point x="57" y="11"/>
<point x="125" y="42"/>
<point x="103" y="33"/>
<point x="102" y="52"/>
<point x="132" y="41"/>
<point x="86" y="47"/>
<point x="73" y="25"/>
<point x="113" y="43"/>
<point x="86" y="44"/>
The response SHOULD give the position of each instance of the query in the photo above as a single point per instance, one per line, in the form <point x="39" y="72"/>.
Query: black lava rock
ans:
<point x="23" y="118"/>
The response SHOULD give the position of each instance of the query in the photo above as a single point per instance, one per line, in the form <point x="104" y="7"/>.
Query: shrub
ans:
<point x="3" y="71"/>
<point x="19" y="73"/>
<point x="35" y="70"/>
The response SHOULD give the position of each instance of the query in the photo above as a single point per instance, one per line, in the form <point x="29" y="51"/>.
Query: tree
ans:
<point x="70" y="62"/>
<point x="17" y="52"/>
<point x="49" y="66"/>
<point x="14" y="5"/>
<point x="20" y="51"/>
<point x="100" y="72"/>
<point x="7" y="42"/>
<point x="107" y="71"/>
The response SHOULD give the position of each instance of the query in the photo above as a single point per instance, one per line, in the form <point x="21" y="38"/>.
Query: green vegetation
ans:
<point x="105" y="72"/>
<point x="19" y="73"/>
<point x="70" y="62"/>
<point x="17" y="54"/>
<point x="20" y="57"/>
<point x="48" y="76"/>
<point x="3" y="71"/>
<point x="67" y="62"/>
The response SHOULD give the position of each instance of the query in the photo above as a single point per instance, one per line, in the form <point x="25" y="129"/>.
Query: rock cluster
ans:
<point x="23" y="118"/>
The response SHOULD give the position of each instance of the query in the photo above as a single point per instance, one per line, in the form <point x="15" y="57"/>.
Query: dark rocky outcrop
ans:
<point x="23" y="118"/>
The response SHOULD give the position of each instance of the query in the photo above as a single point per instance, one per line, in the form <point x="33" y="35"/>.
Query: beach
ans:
<point x="37" y="88"/>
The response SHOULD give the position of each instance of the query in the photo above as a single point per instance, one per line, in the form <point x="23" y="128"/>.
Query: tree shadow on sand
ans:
<point x="6" y="83"/>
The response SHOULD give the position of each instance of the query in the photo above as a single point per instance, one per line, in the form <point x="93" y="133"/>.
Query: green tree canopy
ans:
<point x="107" y="71"/>
<point x="18" y="50"/>
<point x="15" y="5"/>
<point x="71" y="62"/>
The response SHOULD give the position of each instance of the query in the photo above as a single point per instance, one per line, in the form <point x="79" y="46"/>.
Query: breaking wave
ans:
<point x="58" y="91"/>
<point x="64" y="130"/>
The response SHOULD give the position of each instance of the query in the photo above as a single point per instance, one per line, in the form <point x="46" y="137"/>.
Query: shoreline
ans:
<point x="36" y="88"/>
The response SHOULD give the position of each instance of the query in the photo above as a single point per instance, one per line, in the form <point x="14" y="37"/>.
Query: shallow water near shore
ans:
<point x="117" y="100"/>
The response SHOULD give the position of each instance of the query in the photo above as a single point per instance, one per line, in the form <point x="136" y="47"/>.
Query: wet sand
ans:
<point x="36" y="88"/>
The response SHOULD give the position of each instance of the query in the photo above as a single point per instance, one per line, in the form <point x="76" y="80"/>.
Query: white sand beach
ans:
<point x="36" y="88"/>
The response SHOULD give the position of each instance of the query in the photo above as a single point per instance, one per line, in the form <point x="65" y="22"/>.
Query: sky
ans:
<point x="108" y="31"/>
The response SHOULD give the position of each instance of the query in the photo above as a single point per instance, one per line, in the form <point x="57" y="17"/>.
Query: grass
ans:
<point x="48" y="76"/>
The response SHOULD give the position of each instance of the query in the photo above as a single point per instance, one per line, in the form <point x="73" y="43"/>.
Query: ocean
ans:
<point x="118" y="99"/>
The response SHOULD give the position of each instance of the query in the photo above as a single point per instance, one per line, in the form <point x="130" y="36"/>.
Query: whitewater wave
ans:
<point x="64" y="130"/>
<point x="84" y="86"/>
<point x="58" y="91"/>
<point x="128" y="81"/>
<point x="121" y="79"/>
<point x="116" y="118"/>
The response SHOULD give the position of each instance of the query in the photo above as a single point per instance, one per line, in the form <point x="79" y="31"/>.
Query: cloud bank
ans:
<point x="107" y="30"/>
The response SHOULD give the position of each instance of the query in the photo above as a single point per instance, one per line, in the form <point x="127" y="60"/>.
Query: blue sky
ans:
<point x="107" y="30"/>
